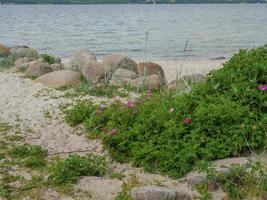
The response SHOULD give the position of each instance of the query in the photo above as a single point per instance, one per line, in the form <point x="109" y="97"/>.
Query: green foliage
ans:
<point x="29" y="156"/>
<point x="170" y="133"/>
<point x="7" y="62"/>
<point x="116" y="175"/>
<point x="80" y="112"/>
<point x="4" y="191"/>
<point x="49" y="59"/>
<point x="67" y="171"/>
<point x="239" y="182"/>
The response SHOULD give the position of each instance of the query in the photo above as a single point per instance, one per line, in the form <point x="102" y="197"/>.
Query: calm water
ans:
<point x="212" y="30"/>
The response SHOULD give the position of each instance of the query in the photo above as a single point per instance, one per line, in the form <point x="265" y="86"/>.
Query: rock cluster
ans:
<point x="114" y="69"/>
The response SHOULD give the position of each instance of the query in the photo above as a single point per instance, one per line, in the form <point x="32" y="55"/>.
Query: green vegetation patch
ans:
<point x="7" y="62"/>
<point x="29" y="156"/>
<point x="66" y="171"/>
<point x="170" y="133"/>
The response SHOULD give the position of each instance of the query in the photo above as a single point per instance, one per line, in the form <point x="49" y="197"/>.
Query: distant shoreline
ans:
<point x="193" y="3"/>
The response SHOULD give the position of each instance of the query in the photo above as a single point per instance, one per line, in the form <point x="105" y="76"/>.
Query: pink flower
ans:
<point x="187" y="121"/>
<point x="118" y="98"/>
<point x="130" y="104"/>
<point x="262" y="87"/>
<point x="149" y="94"/>
<point x="113" y="132"/>
<point x="171" y="110"/>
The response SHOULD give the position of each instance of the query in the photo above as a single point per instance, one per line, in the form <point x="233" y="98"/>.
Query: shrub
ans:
<point x="170" y="133"/>
<point x="50" y="59"/>
<point x="29" y="156"/>
<point x="67" y="171"/>
<point x="7" y="62"/>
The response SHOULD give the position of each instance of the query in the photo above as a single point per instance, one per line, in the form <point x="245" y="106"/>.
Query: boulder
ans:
<point x="4" y="50"/>
<point x="24" y="51"/>
<point x="57" y="66"/>
<point x="149" y="68"/>
<point x="153" y="82"/>
<point x="160" y="193"/>
<point x="115" y="61"/>
<point x="122" y="77"/>
<point x="181" y="84"/>
<point x="38" y="68"/>
<point x="100" y="188"/>
<point x="59" y="78"/>
<point x="80" y="59"/>
<point x="93" y="72"/>
<point x="22" y="61"/>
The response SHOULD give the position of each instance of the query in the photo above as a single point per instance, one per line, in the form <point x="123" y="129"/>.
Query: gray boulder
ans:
<point x="59" y="78"/>
<point x="115" y="61"/>
<point x="94" y="72"/>
<point x="80" y="59"/>
<point x="38" y="68"/>
<point x="160" y="193"/>
<point x="149" y="68"/>
<point x="24" y="51"/>
<point x="122" y="77"/>
<point x="153" y="82"/>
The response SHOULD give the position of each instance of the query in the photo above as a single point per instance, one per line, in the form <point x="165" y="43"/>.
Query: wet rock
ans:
<point x="115" y="61"/>
<point x="24" y="51"/>
<point x="38" y="68"/>
<point x="4" y="50"/>
<point x="160" y="193"/>
<point x="80" y="60"/>
<point x="59" y="78"/>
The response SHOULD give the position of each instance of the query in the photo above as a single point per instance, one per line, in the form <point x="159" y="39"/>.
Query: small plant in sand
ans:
<point x="7" y="62"/>
<point x="64" y="172"/>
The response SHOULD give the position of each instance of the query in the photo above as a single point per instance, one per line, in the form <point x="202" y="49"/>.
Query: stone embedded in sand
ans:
<point x="4" y="50"/>
<point x="122" y="77"/>
<point x="38" y="68"/>
<point x="115" y="61"/>
<point x="94" y="72"/>
<point x="80" y="60"/>
<point x="59" y="78"/>
<point x="24" y="51"/>
<point x="149" y="68"/>
<point x="160" y="193"/>
<point x="100" y="188"/>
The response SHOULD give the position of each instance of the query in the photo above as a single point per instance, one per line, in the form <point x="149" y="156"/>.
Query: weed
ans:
<point x="67" y="171"/>
<point x="117" y="175"/>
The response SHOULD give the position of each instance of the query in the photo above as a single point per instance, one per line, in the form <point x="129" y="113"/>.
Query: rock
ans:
<point x="100" y="188"/>
<point x="149" y="68"/>
<point x="93" y="72"/>
<point x="182" y="84"/>
<point x="56" y="67"/>
<point x="153" y="82"/>
<point x="59" y="78"/>
<point x="195" y="178"/>
<point x="122" y="77"/>
<point x="4" y="50"/>
<point x="160" y="193"/>
<point x="24" y="51"/>
<point x="38" y="68"/>
<point x="115" y="61"/>
<point x="80" y="59"/>
<point x="22" y="61"/>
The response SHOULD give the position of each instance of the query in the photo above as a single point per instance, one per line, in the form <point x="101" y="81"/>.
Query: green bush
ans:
<point x="67" y="171"/>
<point x="29" y="156"/>
<point x="170" y="133"/>
<point x="50" y="59"/>
<point x="7" y="62"/>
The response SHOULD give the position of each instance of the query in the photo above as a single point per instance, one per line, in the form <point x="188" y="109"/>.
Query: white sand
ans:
<point x="189" y="66"/>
